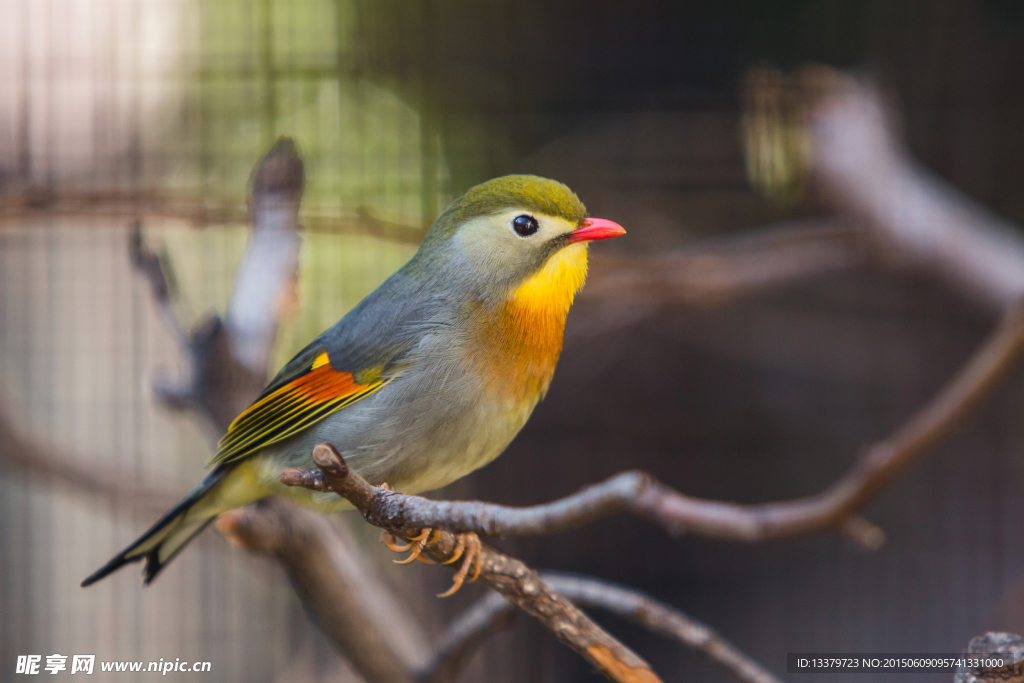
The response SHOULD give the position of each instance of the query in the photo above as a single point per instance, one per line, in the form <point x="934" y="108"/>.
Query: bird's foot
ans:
<point x="467" y="547"/>
<point x="417" y="543"/>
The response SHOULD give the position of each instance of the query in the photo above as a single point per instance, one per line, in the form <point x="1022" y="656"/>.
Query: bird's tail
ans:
<point x="167" y="537"/>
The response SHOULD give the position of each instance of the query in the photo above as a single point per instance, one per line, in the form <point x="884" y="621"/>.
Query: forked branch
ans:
<point x="508" y="576"/>
<point x="492" y="613"/>
<point x="835" y="508"/>
<point x="640" y="494"/>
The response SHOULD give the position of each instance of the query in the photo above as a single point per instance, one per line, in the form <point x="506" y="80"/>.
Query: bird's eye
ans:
<point x="525" y="225"/>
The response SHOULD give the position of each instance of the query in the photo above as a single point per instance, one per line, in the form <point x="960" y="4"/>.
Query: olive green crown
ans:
<point x="529" y="192"/>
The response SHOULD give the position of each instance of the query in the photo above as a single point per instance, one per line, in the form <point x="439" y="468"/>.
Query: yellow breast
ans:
<point x="521" y="339"/>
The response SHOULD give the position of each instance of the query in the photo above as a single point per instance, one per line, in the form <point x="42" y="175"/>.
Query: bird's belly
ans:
<point x="415" y="440"/>
<point x="454" y="450"/>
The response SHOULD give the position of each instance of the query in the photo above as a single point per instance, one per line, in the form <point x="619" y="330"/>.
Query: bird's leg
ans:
<point x="470" y="547"/>
<point x="467" y="546"/>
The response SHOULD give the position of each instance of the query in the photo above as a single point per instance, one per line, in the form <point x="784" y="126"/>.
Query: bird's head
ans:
<point x="518" y="236"/>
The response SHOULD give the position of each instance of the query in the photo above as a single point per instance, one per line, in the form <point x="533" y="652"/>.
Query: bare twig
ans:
<point x="228" y="360"/>
<point x="890" y="211"/>
<point x="217" y="386"/>
<point x="228" y="363"/>
<point x="157" y="272"/>
<point x="506" y="575"/>
<point x="631" y="491"/>
<point x="492" y="613"/>
<point x="1007" y="647"/>
<point x="713" y="273"/>
<point x="645" y="611"/>
<point x="638" y="493"/>
<point x="880" y="464"/>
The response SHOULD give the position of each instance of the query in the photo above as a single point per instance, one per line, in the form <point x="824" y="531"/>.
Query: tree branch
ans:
<point x="958" y="250"/>
<point x="344" y="597"/>
<point x="640" y="494"/>
<point x="158" y="274"/>
<point x="716" y="272"/>
<point x="264" y="291"/>
<point x="508" y="576"/>
<point x="834" y="133"/>
<point x="1006" y="646"/>
<point x="840" y="133"/>
<point x="462" y="637"/>
<point x="643" y="610"/>
<point x="228" y="362"/>
<point x="228" y="359"/>
<point x="354" y="609"/>
<point x="492" y="613"/>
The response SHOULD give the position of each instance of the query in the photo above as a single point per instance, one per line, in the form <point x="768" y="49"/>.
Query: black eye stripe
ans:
<point x="525" y="225"/>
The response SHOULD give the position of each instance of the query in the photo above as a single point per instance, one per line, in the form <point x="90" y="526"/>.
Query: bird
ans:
<point x="427" y="379"/>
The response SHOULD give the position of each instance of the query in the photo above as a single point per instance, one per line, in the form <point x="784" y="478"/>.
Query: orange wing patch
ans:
<point x="289" y="409"/>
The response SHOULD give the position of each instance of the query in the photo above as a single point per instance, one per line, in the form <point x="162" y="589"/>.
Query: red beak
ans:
<point x="595" y="229"/>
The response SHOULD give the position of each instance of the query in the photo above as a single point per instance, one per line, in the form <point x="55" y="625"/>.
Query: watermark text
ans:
<point x="31" y="665"/>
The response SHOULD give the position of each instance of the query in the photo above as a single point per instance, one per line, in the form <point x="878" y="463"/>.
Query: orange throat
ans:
<point x="524" y="334"/>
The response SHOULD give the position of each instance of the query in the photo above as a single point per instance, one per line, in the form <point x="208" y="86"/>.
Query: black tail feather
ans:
<point x="152" y="557"/>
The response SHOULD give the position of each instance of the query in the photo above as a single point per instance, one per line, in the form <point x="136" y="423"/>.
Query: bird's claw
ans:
<point x="426" y="537"/>
<point x="388" y="539"/>
<point x="470" y="546"/>
<point x="467" y="547"/>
